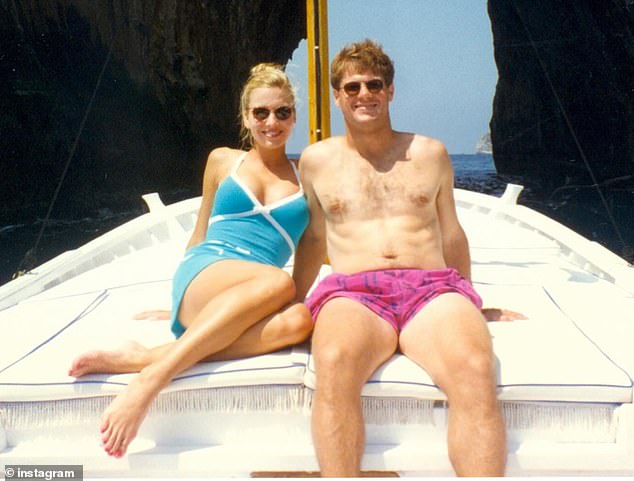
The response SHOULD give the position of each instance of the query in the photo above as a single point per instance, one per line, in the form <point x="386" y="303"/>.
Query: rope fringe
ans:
<point x="591" y="419"/>
<point x="380" y="410"/>
<point x="583" y="422"/>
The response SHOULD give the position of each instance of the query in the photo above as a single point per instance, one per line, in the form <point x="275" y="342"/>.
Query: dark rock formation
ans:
<point x="565" y="94"/>
<point x="165" y="78"/>
<point x="153" y="85"/>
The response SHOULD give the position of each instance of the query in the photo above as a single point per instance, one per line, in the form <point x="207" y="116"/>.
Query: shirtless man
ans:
<point x="382" y="203"/>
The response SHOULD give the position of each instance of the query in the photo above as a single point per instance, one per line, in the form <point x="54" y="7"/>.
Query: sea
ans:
<point x="33" y="241"/>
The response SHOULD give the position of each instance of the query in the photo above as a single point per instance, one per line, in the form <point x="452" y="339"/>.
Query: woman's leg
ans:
<point x="291" y="325"/>
<point x="224" y="301"/>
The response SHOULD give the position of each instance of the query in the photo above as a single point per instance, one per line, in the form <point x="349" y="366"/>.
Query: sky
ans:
<point x="443" y="56"/>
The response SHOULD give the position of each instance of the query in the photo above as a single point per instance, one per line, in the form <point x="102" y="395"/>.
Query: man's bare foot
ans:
<point x="155" y="315"/>
<point x="493" y="314"/>
<point x="121" y="420"/>
<point x="128" y="358"/>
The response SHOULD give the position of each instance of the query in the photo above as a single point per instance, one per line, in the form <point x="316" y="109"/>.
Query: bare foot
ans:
<point x="128" y="358"/>
<point x="155" y="315"/>
<point x="493" y="314"/>
<point x="121" y="420"/>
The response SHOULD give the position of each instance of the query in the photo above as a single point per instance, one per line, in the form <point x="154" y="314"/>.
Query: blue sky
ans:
<point x="443" y="55"/>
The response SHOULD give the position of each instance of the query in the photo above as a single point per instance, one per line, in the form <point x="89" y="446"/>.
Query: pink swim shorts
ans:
<point x="396" y="295"/>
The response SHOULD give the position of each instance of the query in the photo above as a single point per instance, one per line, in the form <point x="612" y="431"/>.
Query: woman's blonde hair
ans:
<point x="262" y="75"/>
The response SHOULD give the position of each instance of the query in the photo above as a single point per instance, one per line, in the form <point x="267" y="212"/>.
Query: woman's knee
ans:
<point x="277" y="283"/>
<point x="295" y="324"/>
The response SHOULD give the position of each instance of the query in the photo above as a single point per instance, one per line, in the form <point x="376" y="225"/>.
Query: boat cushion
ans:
<point x="530" y="353"/>
<point x="36" y="360"/>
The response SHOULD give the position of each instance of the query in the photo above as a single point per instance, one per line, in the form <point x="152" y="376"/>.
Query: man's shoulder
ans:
<point x="424" y="148"/>
<point x="427" y="143"/>
<point x="321" y="151"/>
<point x="325" y="145"/>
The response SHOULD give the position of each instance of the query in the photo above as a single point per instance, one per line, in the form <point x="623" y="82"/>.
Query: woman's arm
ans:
<point x="218" y="163"/>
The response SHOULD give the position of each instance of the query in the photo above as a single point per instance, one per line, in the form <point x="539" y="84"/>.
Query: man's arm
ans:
<point x="454" y="240"/>
<point x="455" y="244"/>
<point x="311" y="250"/>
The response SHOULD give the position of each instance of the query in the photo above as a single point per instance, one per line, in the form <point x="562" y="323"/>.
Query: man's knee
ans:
<point x="335" y="362"/>
<point x="470" y="371"/>
<point x="480" y="366"/>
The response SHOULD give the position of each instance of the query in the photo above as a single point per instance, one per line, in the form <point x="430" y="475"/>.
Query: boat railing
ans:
<point x="162" y="224"/>
<point x="576" y="249"/>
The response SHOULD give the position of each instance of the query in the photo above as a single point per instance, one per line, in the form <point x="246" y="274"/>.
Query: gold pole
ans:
<point x="318" y="86"/>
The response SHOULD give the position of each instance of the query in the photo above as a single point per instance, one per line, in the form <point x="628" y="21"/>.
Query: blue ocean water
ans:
<point x="472" y="172"/>
<point x="17" y="240"/>
<point x="477" y="173"/>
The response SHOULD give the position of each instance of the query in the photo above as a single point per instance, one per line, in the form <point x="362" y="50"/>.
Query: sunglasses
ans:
<point x="281" y="113"/>
<point x="353" y="88"/>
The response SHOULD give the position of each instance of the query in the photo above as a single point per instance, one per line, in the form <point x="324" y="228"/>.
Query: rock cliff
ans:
<point x="154" y="84"/>
<point x="564" y="101"/>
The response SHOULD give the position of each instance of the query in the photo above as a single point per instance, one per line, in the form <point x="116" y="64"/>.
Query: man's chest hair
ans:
<point x="388" y="193"/>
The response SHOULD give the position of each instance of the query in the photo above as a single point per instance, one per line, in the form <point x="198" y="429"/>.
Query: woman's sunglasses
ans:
<point x="353" y="88"/>
<point x="281" y="113"/>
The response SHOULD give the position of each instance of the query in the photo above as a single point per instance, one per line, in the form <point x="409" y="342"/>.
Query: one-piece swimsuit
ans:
<point x="241" y="227"/>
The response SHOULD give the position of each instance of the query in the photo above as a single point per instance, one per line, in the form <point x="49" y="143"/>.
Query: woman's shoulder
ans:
<point x="225" y="155"/>
<point x="221" y="160"/>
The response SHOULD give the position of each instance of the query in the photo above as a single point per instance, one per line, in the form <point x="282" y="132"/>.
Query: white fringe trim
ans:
<point x="64" y="412"/>
<point x="268" y="398"/>
<point x="45" y="414"/>
<point x="553" y="416"/>
<point x="587" y="421"/>
<point x="381" y="410"/>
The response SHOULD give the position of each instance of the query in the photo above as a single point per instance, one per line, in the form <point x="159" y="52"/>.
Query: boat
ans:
<point x="565" y="373"/>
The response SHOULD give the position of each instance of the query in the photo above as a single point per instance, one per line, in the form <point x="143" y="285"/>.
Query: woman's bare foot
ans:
<point x="130" y="357"/>
<point x="121" y="420"/>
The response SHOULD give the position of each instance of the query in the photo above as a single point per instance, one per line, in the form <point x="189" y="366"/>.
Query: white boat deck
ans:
<point x="565" y="373"/>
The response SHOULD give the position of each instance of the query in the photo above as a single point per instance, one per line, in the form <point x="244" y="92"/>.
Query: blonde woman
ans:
<point x="231" y="297"/>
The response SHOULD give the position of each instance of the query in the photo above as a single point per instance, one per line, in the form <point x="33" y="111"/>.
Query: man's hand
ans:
<point x="493" y="314"/>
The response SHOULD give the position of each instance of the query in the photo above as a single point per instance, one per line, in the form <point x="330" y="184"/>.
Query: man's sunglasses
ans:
<point x="281" y="113"/>
<point x="353" y="88"/>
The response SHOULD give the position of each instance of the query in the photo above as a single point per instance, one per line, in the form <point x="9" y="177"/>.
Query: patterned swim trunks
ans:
<point x="396" y="295"/>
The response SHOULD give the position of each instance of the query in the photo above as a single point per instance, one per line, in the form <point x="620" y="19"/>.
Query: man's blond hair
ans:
<point x="359" y="57"/>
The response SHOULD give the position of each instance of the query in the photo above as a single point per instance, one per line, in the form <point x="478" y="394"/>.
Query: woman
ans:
<point x="230" y="296"/>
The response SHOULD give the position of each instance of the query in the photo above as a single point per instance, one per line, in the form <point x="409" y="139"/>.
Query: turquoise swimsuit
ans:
<point x="241" y="227"/>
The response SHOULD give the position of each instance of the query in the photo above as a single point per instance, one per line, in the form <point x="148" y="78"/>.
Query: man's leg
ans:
<point x="449" y="338"/>
<point x="349" y="343"/>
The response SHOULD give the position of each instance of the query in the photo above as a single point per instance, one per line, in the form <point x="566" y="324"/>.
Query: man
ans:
<point x="382" y="202"/>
